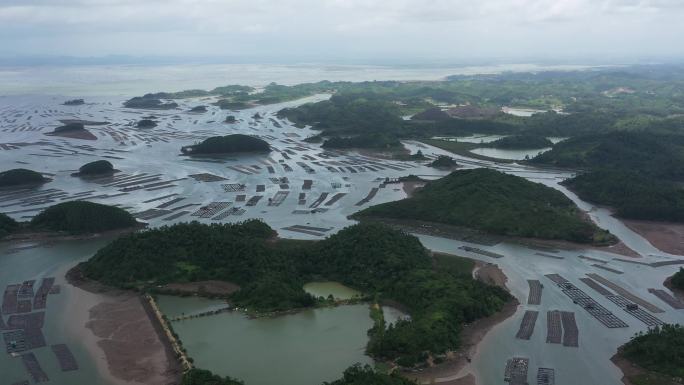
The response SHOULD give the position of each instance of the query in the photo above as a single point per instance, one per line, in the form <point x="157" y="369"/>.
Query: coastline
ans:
<point x="666" y="236"/>
<point x="47" y="237"/>
<point x="633" y="371"/>
<point x="451" y="372"/>
<point x="123" y="334"/>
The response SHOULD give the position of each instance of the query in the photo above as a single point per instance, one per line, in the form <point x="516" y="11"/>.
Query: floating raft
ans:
<point x="527" y="325"/>
<point x="570" y="331"/>
<point x="33" y="367"/>
<point x="534" y="298"/>
<point x="603" y="315"/>
<point x="546" y="376"/>
<point x="667" y="298"/>
<point x="477" y="250"/>
<point x="554" y="330"/>
<point x="66" y="359"/>
<point x="516" y="371"/>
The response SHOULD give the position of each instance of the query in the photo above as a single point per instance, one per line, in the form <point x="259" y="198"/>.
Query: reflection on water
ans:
<point x="305" y="348"/>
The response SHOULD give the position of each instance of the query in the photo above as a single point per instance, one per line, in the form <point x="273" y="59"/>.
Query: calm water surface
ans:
<point x="305" y="348"/>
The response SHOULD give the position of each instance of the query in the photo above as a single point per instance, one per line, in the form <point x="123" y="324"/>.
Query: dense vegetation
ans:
<point x="639" y="174"/>
<point x="228" y="144"/>
<point x="493" y="202"/>
<point x="205" y="377"/>
<point x="20" y="176"/>
<point x="365" y="375"/>
<point x="146" y="123"/>
<point x="97" y="167"/>
<point x="443" y="161"/>
<point x="372" y="258"/>
<point x="522" y="142"/>
<point x="678" y="279"/>
<point x="7" y="225"/>
<point x="82" y="217"/>
<point x="660" y="349"/>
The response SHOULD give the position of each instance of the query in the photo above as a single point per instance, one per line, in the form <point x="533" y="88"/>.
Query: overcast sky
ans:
<point x="312" y="30"/>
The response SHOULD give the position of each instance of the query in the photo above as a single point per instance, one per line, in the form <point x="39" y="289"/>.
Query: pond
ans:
<point x="336" y="289"/>
<point x="305" y="348"/>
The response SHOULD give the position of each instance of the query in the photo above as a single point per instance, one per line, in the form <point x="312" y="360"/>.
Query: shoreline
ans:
<point x="47" y="237"/>
<point x="122" y="331"/>
<point x="482" y="238"/>
<point x="679" y="294"/>
<point x="451" y="371"/>
<point x="665" y="236"/>
<point x="631" y="370"/>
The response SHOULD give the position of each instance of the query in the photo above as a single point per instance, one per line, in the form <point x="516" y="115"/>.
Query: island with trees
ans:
<point x="82" y="217"/>
<point x="95" y="168"/>
<point x="74" y="102"/>
<point x="146" y="123"/>
<point x="654" y="357"/>
<point x="229" y="144"/>
<point x="677" y="280"/>
<point x="18" y="177"/>
<point x="443" y="162"/>
<point x="74" y="130"/>
<point x="149" y="102"/>
<point x="377" y="260"/>
<point x="496" y="203"/>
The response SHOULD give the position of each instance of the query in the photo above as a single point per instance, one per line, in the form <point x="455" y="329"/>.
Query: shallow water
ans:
<point x="61" y="324"/>
<point x="305" y="348"/>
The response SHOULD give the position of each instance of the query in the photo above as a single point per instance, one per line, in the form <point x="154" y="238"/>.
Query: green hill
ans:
<point x="7" y="225"/>
<point x="97" y="167"/>
<point x="82" y="217"/>
<point x="660" y="156"/>
<point x="493" y="202"/>
<point x="228" y="144"/>
<point x="20" y="176"/>
<point x="638" y="174"/>
<point x="372" y="258"/>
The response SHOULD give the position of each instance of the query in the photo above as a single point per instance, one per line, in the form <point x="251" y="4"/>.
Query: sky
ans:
<point x="346" y="30"/>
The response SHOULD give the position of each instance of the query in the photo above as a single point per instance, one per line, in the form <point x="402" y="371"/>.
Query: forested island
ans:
<point x="444" y="162"/>
<point x="95" y="168"/>
<point x="73" y="218"/>
<point x="379" y="261"/>
<point x="228" y="144"/>
<point x="659" y="355"/>
<point x="79" y="217"/>
<point x="75" y="130"/>
<point x="496" y="203"/>
<point x="678" y="279"/>
<point x="21" y="177"/>
<point x="146" y="123"/>
<point x="149" y="102"/>
<point x="639" y="174"/>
